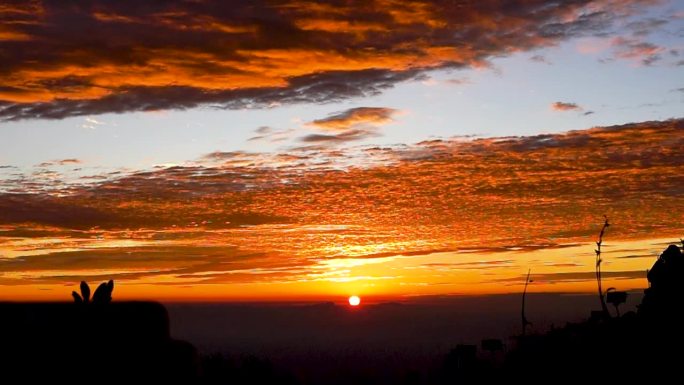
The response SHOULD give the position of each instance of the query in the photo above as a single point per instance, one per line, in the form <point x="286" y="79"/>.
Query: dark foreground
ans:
<point x="437" y="343"/>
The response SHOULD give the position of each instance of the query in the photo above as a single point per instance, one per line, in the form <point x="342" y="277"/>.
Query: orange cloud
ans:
<point x="354" y="117"/>
<point x="449" y="215"/>
<point x="350" y="125"/>
<point x="170" y="55"/>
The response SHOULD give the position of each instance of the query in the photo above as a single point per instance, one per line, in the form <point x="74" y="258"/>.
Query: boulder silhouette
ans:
<point x="664" y="295"/>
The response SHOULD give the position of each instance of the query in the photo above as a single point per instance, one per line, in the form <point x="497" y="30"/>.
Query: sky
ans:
<point x="311" y="150"/>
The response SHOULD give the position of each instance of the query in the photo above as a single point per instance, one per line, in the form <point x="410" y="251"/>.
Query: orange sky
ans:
<point x="283" y="164"/>
<point x="438" y="217"/>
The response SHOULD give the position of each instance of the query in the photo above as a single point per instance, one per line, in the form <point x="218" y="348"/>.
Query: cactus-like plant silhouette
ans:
<point x="102" y="295"/>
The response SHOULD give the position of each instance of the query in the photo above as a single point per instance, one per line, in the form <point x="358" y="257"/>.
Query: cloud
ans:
<point x="634" y="49"/>
<point x="91" y="123"/>
<point x="646" y="26"/>
<point x="350" y="125"/>
<point x="459" y="81"/>
<point x="250" y="217"/>
<point x="189" y="264"/>
<point x="60" y="162"/>
<point x="355" y="117"/>
<point x="347" y="136"/>
<point x="565" y="106"/>
<point x="269" y="134"/>
<point x="82" y="215"/>
<point x="179" y="55"/>
<point x="581" y="276"/>
<point x="540" y="59"/>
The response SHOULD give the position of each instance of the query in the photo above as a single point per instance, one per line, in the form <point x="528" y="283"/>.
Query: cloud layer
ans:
<point x="301" y="218"/>
<point x="87" y="58"/>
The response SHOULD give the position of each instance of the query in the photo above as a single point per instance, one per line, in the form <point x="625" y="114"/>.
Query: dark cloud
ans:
<point x="79" y="214"/>
<point x="264" y="130"/>
<point x="635" y="49"/>
<point x="479" y="265"/>
<point x="179" y="55"/>
<point x="190" y="263"/>
<point x="16" y="208"/>
<point x="60" y="162"/>
<point x="651" y="256"/>
<point x="578" y="276"/>
<point x="646" y="26"/>
<point x="347" y="136"/>
<point x="328" y="87"/>
<point x="459" y="81"/>
<point x="271" y="135"/>
<point x="565" y="106"/>
<point x="350" y="125"/>
<point x="539" y="59"/>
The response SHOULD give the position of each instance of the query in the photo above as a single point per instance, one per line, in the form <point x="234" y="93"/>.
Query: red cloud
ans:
<point x="280" y="221"/>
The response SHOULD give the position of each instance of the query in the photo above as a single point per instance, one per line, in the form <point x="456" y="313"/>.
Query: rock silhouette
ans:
<point x="665" y="278"/>
<point x="123" y="341"/>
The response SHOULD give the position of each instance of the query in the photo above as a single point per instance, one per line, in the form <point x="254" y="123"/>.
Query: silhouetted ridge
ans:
<point x="78" y="344"/>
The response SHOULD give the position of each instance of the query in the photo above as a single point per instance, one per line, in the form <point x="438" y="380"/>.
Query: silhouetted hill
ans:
<point x="81" y="343"/>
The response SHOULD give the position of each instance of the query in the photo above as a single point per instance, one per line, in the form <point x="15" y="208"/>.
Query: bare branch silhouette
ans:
<point x="601" y="295"/>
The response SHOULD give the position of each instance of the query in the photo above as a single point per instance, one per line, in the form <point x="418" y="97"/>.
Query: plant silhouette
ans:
<point x="604" y="308"/>
<point x="102" y="295"/>
<point x="525" y="322"/>
<point x="616" y="298"/>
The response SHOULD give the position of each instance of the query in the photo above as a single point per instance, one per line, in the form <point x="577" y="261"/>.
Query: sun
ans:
<point x="354" y="300"/>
